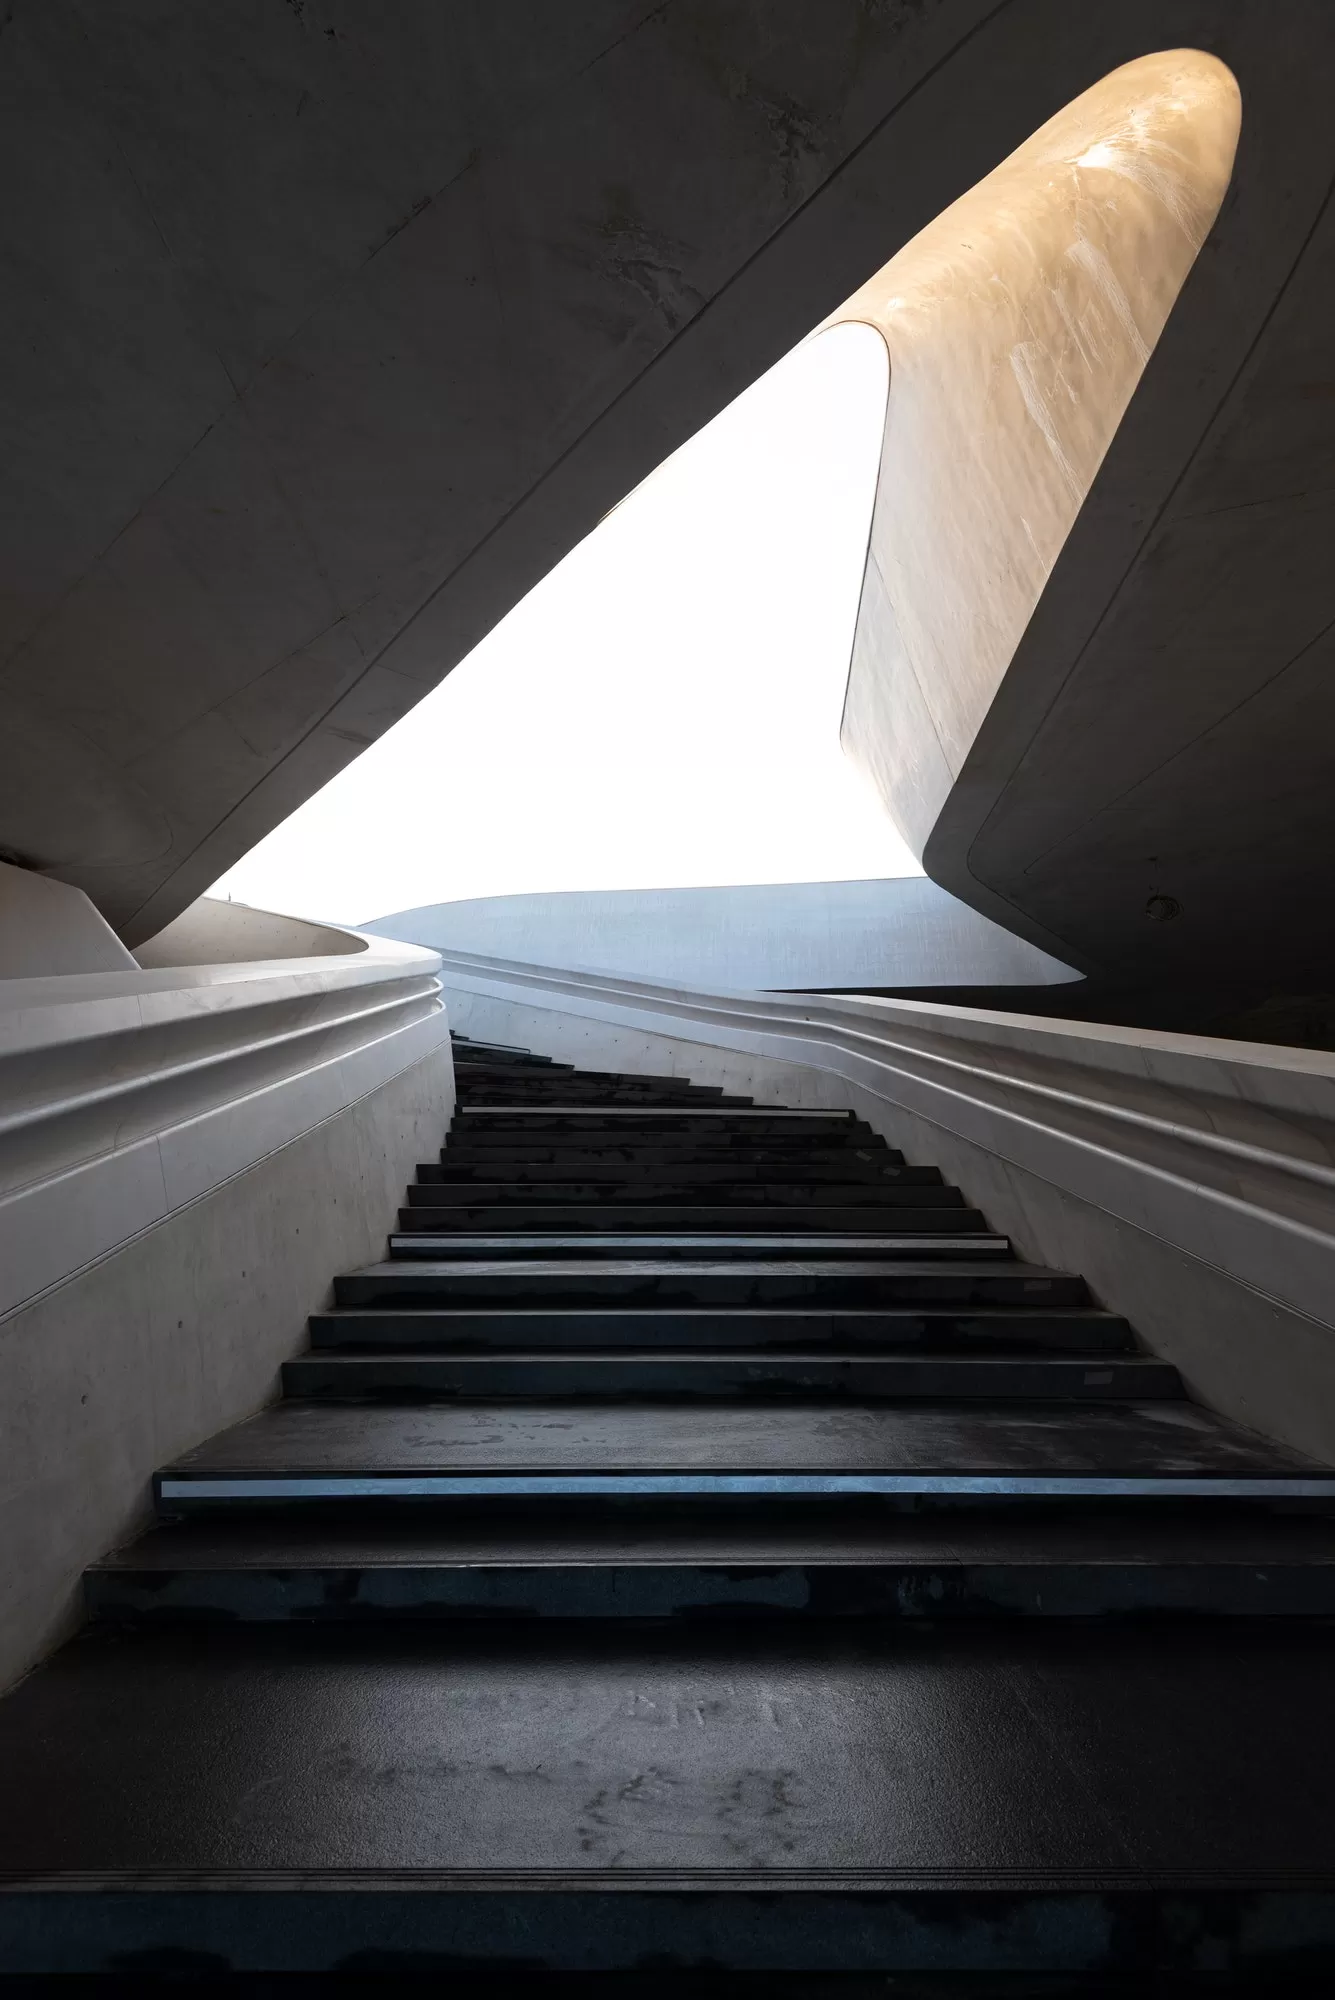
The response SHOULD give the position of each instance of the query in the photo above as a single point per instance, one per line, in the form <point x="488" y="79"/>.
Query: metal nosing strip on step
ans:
<point x="426" y="1243"/>
<point x="432" y="1486"/>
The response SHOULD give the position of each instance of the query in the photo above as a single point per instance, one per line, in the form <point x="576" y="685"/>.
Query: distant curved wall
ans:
<point x="786" y="935"/>
<point x="1018" y="324"/>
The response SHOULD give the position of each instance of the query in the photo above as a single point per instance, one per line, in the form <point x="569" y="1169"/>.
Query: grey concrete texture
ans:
<point x="900" y="932"/>
<point x="1264" y="1363"/>
<point x="334" y="328"/>
<point x="1150" y="792"/>
<point x="146" y="1352"/>
<point x="48" y="928"/>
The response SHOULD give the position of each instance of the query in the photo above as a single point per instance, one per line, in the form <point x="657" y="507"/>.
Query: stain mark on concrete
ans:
<point x="645" y="260"/>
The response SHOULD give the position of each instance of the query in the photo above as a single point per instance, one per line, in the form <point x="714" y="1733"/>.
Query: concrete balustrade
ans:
<point x="1192" y="1181"/>
<point x="186" y="1154"/>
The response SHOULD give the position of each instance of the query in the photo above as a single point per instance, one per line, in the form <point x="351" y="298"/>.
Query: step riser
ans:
<point x="611" y="1589"/>
<point x="665" y="1157"/>
<point x="603" y="1218"/>
<point x="435" y="1194"/>
<point x="619" y="1101"/>
<point x="624" y="1377"/>
<point x="826" y="1292"/>
<point x="940" y="1331"/>
<point x="638" y="1127"/>
<point x="493" y="1095"/>
<point x="740" y="1929"/>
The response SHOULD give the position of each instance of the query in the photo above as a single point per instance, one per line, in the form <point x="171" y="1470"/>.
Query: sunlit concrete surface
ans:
<point x="1018" y="324"/>
<point x="307" y="381"/>
<point x="901" y="933"/>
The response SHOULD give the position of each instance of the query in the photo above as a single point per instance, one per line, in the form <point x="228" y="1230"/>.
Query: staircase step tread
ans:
<point x="1136" y="1441"/>
<point x="682" y="1193"/>
<point x="818" y="1282"/>
<point x="620" y="1180"/>
<point x="745" y="1116"/>
<point x="607" y="1218"/>
<point x="811" y="1535"/>
<point x="821" y="1798"/>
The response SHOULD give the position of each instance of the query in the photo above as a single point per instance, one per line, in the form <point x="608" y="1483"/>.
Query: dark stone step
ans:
<point x="570" y="1088"/>
<point x="504" y="1151"/>
<point x="616" y="1798"/>
<point x="510" y="1068"/>
<point x="815" y="1283"/>
<point x="787" y="1197"/>
<point x="650" y="1121"/>
<point x="714" y="1171"/>
<point x="579" y="1084"/>
<point x="606" y="1218"/>
<point x="303" y="1452"/>
<point x="697" y="1373"/>
<point x="804" y="1565"/>
<point x="660" y="1246"/>
<point x="464" y="1046"/>
<point x="933" y="1329"/>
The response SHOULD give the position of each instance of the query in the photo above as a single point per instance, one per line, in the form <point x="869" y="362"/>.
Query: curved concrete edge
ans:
<point x="901" y="931"/>
<point x="130" y="1095"/>
<point x="1190" y="1180"/>
<point x="214" y="931"/>
<point x="183" y="1330"/>
<point x="186" y="1157"/>
<point x="1018" y="323"/>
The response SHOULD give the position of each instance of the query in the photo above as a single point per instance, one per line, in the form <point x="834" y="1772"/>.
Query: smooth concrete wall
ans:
<point x="214" y="932"/>
<point x="179" y="1333"/>
<point x="1018" y="324"/>
<point x="48" y="929"/>
<point x="841" y="935"/>
<point x="1241" y="1350"/>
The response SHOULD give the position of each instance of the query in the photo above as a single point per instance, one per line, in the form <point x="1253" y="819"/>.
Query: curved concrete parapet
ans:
<point x="1191" y="1180"/>
<point x="186" y="1154"/>
<point x="846" y="935"/>
<point x="129" y="1095"/>
<point x="1018" y="324"/>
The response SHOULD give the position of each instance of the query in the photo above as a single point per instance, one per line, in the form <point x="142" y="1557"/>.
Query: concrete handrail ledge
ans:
<point x="1223" y="1150"/>
<point x="130" y="1094"/>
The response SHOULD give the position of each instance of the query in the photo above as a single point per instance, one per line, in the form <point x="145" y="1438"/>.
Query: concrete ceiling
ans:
<point x="334" y="325"/>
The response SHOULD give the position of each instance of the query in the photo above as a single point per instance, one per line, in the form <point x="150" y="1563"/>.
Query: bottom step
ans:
<point x="1058" y="1801"/>
<point x="796" y="1566"/>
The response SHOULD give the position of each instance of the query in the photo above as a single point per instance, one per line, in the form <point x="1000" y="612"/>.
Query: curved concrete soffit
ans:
<point x="1018" y="324"/>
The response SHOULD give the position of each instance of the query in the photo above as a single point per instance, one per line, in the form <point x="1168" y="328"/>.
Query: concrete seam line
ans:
<point x="182" y="1208"/>
<point x="41" y="1114"/>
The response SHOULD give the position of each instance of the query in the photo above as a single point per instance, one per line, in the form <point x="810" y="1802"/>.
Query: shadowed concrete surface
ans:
<point x="855" y="935"/>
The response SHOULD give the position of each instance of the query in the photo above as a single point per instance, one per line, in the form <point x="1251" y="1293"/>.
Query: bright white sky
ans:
<point x="662" y="711"/>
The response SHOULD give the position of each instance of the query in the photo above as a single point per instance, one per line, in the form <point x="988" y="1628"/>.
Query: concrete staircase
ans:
<point x="700" y="1540"/>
